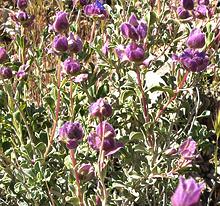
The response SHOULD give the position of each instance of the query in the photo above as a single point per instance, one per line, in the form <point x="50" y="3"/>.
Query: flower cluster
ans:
<point x="104" y="130"/>
<point x="96" y="9"/>
<point x="192" y="59"/>
<point x="187" y="9"/>
<point x="66" y="43"/>
<point x="100" y="108"/>
<point x="71" y="133"/>
<point x="22" y="17"/>
<point x="187" y="193"/>
<point x="136" y="31"/>
<point x="110" y="145"/>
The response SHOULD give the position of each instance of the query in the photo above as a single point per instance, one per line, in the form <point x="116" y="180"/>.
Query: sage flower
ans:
<point x="187" y="192"/>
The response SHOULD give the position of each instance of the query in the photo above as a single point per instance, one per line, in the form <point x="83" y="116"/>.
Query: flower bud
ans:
<point x="61" y="23"/>
<point x="95" y="10"/>
<point x="86" y="172"/>
<point x="75" y="44"/>
<point x="100" y="108"/>
<point x="107" y="130"/>
<point x="142" y="29"/>
<point x="187" y="149"/>
<point x="182" y="13"/>
<point x="60" y="44"/>
<point x="201" y="12"/>
<point x="71" y="144"/>
<point x="22" y="4"/>
<point x="129" y="31"/>
<point x="80" y="78"/>
<point x="5" y="73"/>
<point x="133" y="20"/>
<point x="194" y="61"/>
<point x="203" y="2"/>
<point x="134" y="52"/>
<point x="196" y="39"/>
<point x="21" y="75"/>
<point x="71" y="130"/>
<point x="23" y="18"/>
<point x="3" y="55"/>
<point x="71" y="66"/>
<point x="188" y="4"/>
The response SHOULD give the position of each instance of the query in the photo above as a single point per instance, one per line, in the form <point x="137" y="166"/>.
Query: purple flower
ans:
<point x="133" y="20"/>
<point x="3" y="55"/>
<point x="107" y="130"/>
<point x="120" y="51"/>
<point x="142" y="29"/>
<point x="188" y="4"/>
<point x="134" y="29"/>
<point x="80" y="78"/>
<point x="23" y="18"/>
<point x="201" y="11"/>
<point x="182" y="13"/>
<point x="110" y="145"/>
<point x="187" y="192"/>
<point x="194" y="61"/>
<point x="5" y="73"/>
<point x="94" y="141"/>
<point x="129" y="31"/>
<point x="100" y="108"/>
<point x="187" y="149"/>
<point x="71" y="143"/>
<point x="61" y="23"/>
<point x="60" y="43"/>
<point x="71" y="66"/>
<point x="203" y="2"/>
<point x="86" y="172"/>
<point x="71" y="130"/>
<point x="22" y="4"/>
<point x="74" y="43"/>
<point x="21" y="75"/>
<point x="95" y="10"/>
<point x="134" y="52"/>
<point x="196" y="39"/>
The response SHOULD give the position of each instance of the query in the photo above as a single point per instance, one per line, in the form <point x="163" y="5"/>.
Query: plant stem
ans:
<point x="180" y="86"/>
<point x="92" y="31"/>
<point x="101" y="165"/>
<point x="143" y="99"/>
<point x="79" y="193"/>
<point x="57" y="110"/>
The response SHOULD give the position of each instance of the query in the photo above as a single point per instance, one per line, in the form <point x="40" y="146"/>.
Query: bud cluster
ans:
<point x="192" y="59"/>
<point x="136" y="30"/>
<point x="22" y="17"/>
<point x="188" y="9"/>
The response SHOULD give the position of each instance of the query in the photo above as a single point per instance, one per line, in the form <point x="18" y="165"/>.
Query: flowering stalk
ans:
<point x="101" y="166"/>
<point x="180" y="86"/>
<point x="79" y="193"/>
<point x="57" y="110"/>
